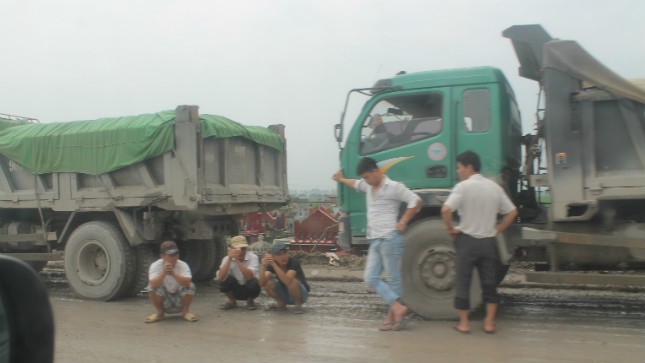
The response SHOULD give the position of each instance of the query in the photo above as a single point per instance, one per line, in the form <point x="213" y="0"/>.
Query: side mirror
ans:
<point x="26" y="319"/>
<point x="338" y="132"/>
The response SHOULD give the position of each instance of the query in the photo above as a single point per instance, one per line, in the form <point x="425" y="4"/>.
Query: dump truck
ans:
<point x="103" y="194"/>
<point x="577" y="177"/>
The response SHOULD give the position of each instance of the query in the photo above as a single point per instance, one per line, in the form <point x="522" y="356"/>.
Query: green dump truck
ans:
<point x="103" y="194"/>
<point x="578" y="179"/>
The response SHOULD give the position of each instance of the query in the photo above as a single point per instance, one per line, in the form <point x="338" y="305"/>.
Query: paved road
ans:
<point x="339" y="325"/>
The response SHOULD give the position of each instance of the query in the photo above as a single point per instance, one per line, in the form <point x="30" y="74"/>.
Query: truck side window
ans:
<point x="401" y="120"/>
<point x="476" y="110"/>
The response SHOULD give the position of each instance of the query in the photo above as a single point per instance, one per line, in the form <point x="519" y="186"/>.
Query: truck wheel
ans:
<point x="99" y="262"/>
<point x="145" y="256"/>
<point x="428" y="275"/>
<point x="208" y="254"/>
<point x="190" y="252"/>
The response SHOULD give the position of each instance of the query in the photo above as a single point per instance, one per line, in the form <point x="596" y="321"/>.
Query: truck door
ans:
<point x="477" y="126"/>
<point x="407" y="134"/>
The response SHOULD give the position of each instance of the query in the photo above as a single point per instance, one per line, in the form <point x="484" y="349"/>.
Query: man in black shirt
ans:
<point x="283" y="279"/>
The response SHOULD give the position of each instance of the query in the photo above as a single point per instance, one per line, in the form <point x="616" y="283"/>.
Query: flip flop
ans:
<point x="386" y="326"/>
<point x="400" y="325"/>
<point x="190" y="317"/>
<point x="251" y="305"/>
<point x="227" y="306"/>
<point x="460" y="331"/>
<point x="274" y="307"/>
<point x="153" y="318"/>
<point x="298" y="310"/>
<point x="492" y="331"/>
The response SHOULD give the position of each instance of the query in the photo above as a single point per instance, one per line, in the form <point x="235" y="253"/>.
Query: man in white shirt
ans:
<point x="478" y="201"/>
<point x="384" y="232"/>
<point x="170" y="287"/>
<point x="238" y="275"/>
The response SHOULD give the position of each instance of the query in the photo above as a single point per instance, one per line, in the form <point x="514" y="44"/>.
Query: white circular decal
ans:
<point x="437" y="151"/>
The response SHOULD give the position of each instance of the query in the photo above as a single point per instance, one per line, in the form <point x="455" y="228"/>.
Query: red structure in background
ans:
<point x="317" y="232"/>
<point x="254" y="224"/>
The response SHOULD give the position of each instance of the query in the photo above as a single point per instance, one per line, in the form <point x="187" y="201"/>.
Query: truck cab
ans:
<point x="414" y="125"/>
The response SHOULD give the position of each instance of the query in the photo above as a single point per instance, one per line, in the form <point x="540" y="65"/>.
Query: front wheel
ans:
<point x="428" y="275"/>
<point x="99" y="262"/>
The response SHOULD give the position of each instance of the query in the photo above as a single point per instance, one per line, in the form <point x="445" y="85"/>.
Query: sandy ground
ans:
<point x="339" y="325"/>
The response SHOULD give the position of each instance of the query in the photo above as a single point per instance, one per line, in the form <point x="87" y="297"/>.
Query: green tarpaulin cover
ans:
<point x="99" y="146"/>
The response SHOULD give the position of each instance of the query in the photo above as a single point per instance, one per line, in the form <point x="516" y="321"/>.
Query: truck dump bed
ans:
<point x="172" y="160"/>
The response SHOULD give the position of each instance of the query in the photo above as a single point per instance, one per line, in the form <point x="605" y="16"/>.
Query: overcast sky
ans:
<point x="265" y="62"/>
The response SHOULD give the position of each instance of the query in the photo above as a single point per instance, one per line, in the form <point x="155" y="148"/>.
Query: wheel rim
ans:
<point x="93" y="263"/>
<point x="436" y="270"/>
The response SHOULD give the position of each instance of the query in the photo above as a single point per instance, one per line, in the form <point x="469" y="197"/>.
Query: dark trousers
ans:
<point x="480" y="253"/>
<point x="250" y="290"/>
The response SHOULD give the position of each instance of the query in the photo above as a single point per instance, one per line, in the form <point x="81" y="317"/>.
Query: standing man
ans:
<point x="384" y="232"/>
<point x="238" y="275"/>
<point x="283" y="279"/>
<point x="478" y="201"/>
<point x="170" y="288"/>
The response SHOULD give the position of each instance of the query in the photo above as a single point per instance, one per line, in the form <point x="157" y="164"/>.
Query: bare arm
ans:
<point x="446" y="214"/>
<point x="507" y="220"/>
<point x="222" y="274"/>
<point x="183" y="280"/>
<point x="285" y="277"/>
<point x="407" y="216"/>
<point x="339" y="177"/>
<point x="263" y="275"/>
<point x="156" y="281"/>
<point x="246" y="272"/>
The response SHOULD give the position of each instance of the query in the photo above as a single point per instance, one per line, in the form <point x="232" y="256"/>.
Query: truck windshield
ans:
<point x="400" y="120"/>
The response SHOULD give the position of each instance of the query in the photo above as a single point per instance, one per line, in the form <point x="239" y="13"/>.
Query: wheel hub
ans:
<point x="93" y="263"/>
<point x="437" y="268"/>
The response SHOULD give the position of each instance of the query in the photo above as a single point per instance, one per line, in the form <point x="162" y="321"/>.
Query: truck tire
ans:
<point x="208" y="263"/>
<point x="190" y="252"/>
<point x="99" y="262"/>
<point x="428" y="272"/>
<point x="145" y="255"/>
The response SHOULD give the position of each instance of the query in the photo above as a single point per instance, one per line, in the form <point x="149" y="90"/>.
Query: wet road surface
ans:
<point x="339" y="325"/>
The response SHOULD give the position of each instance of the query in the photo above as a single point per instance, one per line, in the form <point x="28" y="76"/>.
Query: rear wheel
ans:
<point x="145" y="255"/>
<point x="208" y="260"/>
<point x="428" y="274"/>
<point x="99" y="262"/>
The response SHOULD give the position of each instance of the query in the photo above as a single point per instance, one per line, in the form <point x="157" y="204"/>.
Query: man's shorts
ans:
<point x="281" y="290"/>
<point x="172" y="301"/>
<point x="250" y="290"/>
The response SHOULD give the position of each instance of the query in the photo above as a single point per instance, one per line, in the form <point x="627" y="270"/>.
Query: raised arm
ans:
<point x="339" y="177"/>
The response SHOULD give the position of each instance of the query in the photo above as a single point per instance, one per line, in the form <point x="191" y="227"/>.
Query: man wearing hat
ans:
<point x="283" y="279"/>
<point x="170" y="287"/>
<point x="238" y="275"/>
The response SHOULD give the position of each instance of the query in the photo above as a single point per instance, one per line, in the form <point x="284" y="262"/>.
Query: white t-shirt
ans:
<point x="169" y="282"/>
<point x="478" y="201"/>
<point x="251" y="262"/>
<point x="383" y="206"/>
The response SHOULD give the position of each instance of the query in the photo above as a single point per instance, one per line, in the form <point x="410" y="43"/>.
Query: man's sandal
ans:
<point x="251" y="305"/>
<point x="227" y="306"/>
<point x="386" y="326"/>
<point x="190" y="317"/>
<point x="274" y="307"/>
<point x="153" y="318"/>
